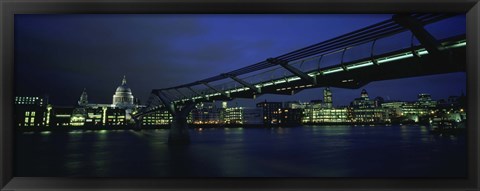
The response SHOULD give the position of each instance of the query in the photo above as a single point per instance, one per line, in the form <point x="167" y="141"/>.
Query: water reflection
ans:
<point x="318" y="151"/>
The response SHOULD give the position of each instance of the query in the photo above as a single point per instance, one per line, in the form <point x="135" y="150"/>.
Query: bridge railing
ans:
<point x="319" y="59"/>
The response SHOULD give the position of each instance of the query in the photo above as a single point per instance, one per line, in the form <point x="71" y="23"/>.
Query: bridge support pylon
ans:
<point x="179" y="134"/>
<point x="179" y="131"/>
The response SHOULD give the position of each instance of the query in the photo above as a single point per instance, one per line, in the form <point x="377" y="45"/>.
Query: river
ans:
<point x="305" y="151"/>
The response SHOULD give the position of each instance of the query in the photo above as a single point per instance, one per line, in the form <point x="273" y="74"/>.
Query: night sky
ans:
<point x="59" y="55"/>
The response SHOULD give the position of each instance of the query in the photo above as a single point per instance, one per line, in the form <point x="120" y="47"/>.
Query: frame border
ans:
<point x="10" y="7"/>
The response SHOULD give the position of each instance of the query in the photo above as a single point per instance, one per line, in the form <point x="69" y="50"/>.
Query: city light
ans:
<point x="368" y="63"/>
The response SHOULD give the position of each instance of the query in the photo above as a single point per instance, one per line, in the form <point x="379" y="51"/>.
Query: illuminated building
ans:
<point x="116" y="117"/>
<point x="123" y="97"/>
<point x="233" y="115"/>
<point x="31" y="111"/>
<point x="243" y="115"/>
<point x="35" y="111"/>
<point x="274" y="113"/>
<point x="327" y="98"/>
<point x="271" y="112"/>
<point x="318" y="111"/>
<point x="363" y="101"/>
<point x="115" y="114"/>
<point x="91" y="116"/>
<point x="61" y="116"/>
<point x="157" y="118"/>
<point x="325" y="115"/>
<point x="206" y="113"/>
<point x="369" y="115"/>
<point x="25" y="100"/>
<point x="95" y="116"/>
<point x="393" y="110"/>
<point x="365" y="110"/>
<point x="419" y="111"/>
<point x="426" y="100"/>
<point x="78" y="117"/>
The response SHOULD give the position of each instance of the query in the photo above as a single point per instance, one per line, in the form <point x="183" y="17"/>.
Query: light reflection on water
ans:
<point x="309" y="151"/>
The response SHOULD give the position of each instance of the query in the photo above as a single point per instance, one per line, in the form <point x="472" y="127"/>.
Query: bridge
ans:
<point x="399" y="47"/>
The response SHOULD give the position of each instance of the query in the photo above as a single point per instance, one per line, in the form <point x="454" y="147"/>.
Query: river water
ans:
<point x="306" y="151"/>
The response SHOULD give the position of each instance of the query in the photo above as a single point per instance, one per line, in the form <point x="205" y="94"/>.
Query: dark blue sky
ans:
<point x="59" y="55"/>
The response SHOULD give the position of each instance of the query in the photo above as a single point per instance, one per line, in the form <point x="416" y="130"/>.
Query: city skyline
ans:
<point x="60" y="55"/>
<point x="235" y="103"/>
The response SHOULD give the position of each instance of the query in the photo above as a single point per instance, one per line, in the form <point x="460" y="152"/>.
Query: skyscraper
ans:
<point x="327" y="97"/>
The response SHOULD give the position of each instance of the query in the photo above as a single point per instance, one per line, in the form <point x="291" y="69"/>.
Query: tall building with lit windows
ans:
<point x="320" y="112"/>
<point x="31" y="111"/>
<point x="366" y="110"/>
<point x="271" y="112"/>
<point x="327" y="98"/>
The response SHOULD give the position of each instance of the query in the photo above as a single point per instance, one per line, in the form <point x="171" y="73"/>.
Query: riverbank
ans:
<point x="193" y="126"/>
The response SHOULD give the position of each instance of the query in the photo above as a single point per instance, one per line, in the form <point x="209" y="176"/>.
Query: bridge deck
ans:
<point x="287" y="74"/>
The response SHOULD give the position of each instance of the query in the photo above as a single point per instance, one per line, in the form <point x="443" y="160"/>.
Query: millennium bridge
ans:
<point x="399" y="47"/>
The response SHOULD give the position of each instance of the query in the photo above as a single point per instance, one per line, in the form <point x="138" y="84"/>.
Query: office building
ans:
<point x="271" y="112"/>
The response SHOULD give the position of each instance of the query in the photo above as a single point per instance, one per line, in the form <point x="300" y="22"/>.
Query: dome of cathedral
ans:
<point x="123" y="97"/>
<point x="123" y="89"/>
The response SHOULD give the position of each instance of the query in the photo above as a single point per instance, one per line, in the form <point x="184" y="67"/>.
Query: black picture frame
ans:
<point x="10" y="7"/>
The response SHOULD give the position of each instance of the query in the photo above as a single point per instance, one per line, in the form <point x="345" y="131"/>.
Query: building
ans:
<point x="393" y="110"/>
<point x="36" y="112"/>
<point x="363" y="102"/>
<point x="327" y="98"/>
<point x="290" y="116"/>
<point x="31" y="111"/>
<point x="61" y="116"/>
<point x="365" y="110"/>
<point x="420" y="111"/>
<point x="161" y="117"/>
<point x="95" y="116"/>
<point x="270" y="112"/>
<point x="243" y="115"/>
<point x="123" y="97"/>
<point x="206" y="113"/>
<point x="315" y="115"/>
<point x="78" y="117"/>
<point x="425" y="100"/>
<point x="252" y="116"/>
<point x="233" y="115"/>
<point x="116" y="117"/>
<point x="83" y="101"/>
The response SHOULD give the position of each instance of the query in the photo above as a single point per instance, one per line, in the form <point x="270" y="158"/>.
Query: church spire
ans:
<point x="124" y="81"/>
<point x="83" y="98"/>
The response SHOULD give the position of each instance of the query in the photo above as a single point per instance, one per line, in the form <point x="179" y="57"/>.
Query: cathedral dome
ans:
<point x="123" y="97"/>
<point x="123" y="88"/>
